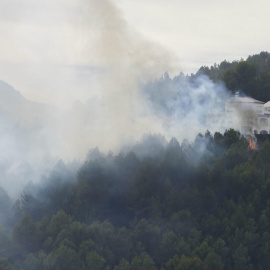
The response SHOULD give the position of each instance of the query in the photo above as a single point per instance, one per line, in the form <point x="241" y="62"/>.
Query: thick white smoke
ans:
<point x="99" y="64"/>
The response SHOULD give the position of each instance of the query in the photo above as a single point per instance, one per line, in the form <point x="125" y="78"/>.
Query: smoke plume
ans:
<point x="99" y="79"/>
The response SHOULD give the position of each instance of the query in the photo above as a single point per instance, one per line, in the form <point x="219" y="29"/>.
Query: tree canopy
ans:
<point x="166" y="210"/>
<point x="250" y="76"/>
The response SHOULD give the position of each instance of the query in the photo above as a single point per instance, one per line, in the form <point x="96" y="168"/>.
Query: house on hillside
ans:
<point x="248" y="115"/>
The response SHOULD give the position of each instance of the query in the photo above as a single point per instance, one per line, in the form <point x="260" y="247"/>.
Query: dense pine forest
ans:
<point x="161" y="204"/>
<point x="251" y="76"/>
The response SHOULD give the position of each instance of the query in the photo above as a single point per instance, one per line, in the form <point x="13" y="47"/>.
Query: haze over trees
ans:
<point x="250" y="76"/>
<point x="160" y="204"/>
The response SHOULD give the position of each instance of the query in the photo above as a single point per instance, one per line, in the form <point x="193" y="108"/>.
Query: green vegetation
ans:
<point x="161" y="205"/>
<point x="192" y="206"/>
<point x="250" y="76"/>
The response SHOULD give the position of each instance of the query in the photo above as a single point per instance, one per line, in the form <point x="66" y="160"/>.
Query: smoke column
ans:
<point x="100" y="79"/>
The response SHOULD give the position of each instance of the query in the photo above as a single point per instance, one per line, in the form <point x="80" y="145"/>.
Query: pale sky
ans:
<point x="54" y="50"/>
<point x="202" y="32"/>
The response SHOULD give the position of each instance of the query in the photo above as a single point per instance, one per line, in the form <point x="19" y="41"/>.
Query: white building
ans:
<point x="248" y="115"/>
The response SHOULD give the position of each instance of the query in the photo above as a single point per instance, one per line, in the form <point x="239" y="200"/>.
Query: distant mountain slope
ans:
<point x="8" y="91"/>
<point x="18" y="109"/>
<point x="23" y="139"/>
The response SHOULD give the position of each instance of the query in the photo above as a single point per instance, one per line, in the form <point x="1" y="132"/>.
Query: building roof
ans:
<point x="238" y="99"/>
<point x="267" y="104"/>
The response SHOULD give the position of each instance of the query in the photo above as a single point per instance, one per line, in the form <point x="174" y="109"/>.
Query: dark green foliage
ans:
<point x="252" y="76"/>
<point x="5" y="264"/>
<point x="177" y="208"/>
<point x="94" y="261"/>
<point x="25" y="233"/>
<point x="5" y="208"/>
<point x="63" y="257"/>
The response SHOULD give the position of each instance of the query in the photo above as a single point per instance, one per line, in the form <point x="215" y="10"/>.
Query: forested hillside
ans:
<point x="250" y="76"/>
<point x="159" y="205"/>
<point x="162" y="205"/>
<point x="193" y="96"/>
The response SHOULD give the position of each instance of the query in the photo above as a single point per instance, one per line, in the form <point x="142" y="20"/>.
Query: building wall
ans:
<point x="247" y="115"/>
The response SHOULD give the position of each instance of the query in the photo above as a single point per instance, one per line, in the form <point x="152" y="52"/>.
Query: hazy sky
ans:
<point x="48" y="48"/>
<point x="202" y="32"/>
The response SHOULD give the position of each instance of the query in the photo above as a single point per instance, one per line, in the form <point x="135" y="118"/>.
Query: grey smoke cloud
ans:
<point x="58" y="52"/>
<point x="96" y="62"/>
